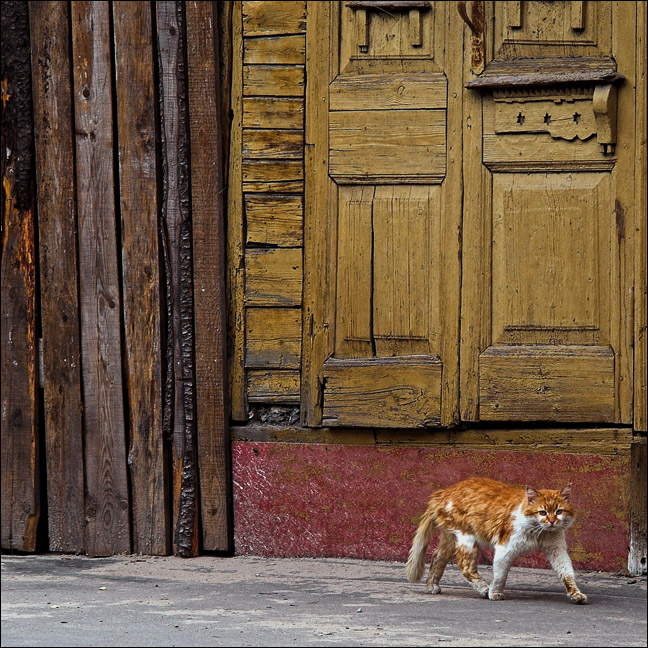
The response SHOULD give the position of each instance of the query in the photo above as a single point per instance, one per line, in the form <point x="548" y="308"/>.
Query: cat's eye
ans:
<point x="559" y="511"/>
<point x="543" y="513"/>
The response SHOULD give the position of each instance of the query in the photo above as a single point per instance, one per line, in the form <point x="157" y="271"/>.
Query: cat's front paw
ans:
<point x="579" y="598"/>
<point x="495" y="596"/>
<point x="433" y="588"/>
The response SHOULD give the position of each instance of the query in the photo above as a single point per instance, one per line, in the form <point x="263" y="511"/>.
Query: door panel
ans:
<point x="545" y="251"/>
<point x="383" y="215"/>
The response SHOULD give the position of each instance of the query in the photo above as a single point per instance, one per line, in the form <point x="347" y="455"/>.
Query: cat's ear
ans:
<point x="566" y="492"/>
<point x="532" y="494"/>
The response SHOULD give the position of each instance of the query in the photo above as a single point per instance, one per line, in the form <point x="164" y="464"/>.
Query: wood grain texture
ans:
<point x="269" y="144"/>
<point x="147" y="460"/>
<point x="107" y="496"/>
<point x="389" y="91"/>
<point x="280" y="176"/>
<point x="377" y="392"/>
<point x="272" y="338"/>
<point x="638" y="542"/>
<point x="20" y="496"/>
<point x="274" y="219"/>
<point x="273" y="112"/>
<point x="272" y="18"/>
<point x="180" y="394"/>
<point x="273" y="277"/>
<point x="376" y="146"/>
<point x="57" y="226"/>
<point x="641" y="225"/>
<point x="208" y="223"/>
<point x="546" y="383"/>
<point x="603" y="441"/>
<point x="277" y="50"/>
<point x="273" y="80"/>
<point x="273" y="386"/>
<point x="235" y="235"/>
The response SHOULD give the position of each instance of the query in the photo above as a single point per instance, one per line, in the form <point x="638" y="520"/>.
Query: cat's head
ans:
<point x="551" y="510"/>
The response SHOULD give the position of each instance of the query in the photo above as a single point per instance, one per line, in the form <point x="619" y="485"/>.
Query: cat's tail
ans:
<point x="416" y="560"/>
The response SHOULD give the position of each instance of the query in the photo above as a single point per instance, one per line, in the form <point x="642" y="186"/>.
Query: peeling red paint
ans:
<point x="316" y="500"/>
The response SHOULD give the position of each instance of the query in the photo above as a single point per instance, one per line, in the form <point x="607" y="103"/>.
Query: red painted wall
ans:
<point x="315" y="500"/>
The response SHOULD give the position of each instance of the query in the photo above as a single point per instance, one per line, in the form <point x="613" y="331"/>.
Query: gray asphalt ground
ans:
<point x="56" y="600"/>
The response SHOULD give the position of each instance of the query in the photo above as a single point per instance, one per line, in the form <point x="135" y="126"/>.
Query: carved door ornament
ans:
<point x="364" y="8"/>
<point x="547" y="74"/>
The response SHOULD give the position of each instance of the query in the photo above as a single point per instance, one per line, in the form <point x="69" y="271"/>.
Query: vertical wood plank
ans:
<point x="20" y="468"/>
<point x="624" y="15"/>
<point x="638" y="467"/>
<point x="641" y="227"/>
<point x="140" y="266"/>
<point x="107" y="497"/>
<point x="318" y="300"/>
<point x="179" y="398"/>
<point x="208" y="218"/>
<point x="476" y="248"/>
<point x="57" y="224"/>
<point x="235" y="234"/>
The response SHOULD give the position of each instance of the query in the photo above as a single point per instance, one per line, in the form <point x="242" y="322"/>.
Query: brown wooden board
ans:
<point x="208" y="220"/>
<point x="18" y="345"/>
<point x="179" y="395"/>
<point x="273" y="277"/>
<point x="268" y="18"/>
<point x="637" y="555"/>
<point x="107" y="496"/>
<point x="274" y="219"/>
<point x="272" y="337"/>
<point x="141" y="274"/>
<point x="58" y="275"/>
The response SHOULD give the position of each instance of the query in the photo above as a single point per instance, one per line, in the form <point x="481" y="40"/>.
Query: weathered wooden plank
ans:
<point x="20" y="498"/>
<point x="554" y="440"/>
<point x="382" y="392"/>
<point x="273" y="277"/>
<point x="372" y="146"/>
<point x="107" y="496"/>
<point x="235" y="235"/>
<point x="140" y="267"/>
<point x="274" y="219"/>
<point x="641" y="254"/>
<point x="546" y="383"/>
<point x="273" y="112"/>
<point x="276" y="50"/>
<point x="273" y="386"/>
<point x="319" y="289"/>
<point x="266" y="144"/>
<point x="272" y="337"/>
<point x="282" y="176"/>
<point x="353" y="324"/>
<point x="54" y="136"/>
<point x="208" y="216"/>
<point x="265" y="18"/>
<point x="179" y="394"/>
<point x="389" y="91"/>
<point x="273" y="80"/>
<point x="638" y="468"/>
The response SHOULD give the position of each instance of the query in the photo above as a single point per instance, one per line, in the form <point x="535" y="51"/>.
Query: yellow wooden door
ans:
<point x="548" y="212"/>
<point x="383" y="210"/>
<point x="468" y="223"/>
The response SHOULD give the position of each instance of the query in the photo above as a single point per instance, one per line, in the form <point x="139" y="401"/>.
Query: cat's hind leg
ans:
<point x="440" y="558"/>
<point x="467" y="554"/>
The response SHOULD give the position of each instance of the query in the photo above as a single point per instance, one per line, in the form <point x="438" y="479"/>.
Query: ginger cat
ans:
<point x="513" y="520"/>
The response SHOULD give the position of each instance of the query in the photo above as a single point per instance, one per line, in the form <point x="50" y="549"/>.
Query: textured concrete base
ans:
<point x="317" y="500"/>
<point x="251" y="601"/>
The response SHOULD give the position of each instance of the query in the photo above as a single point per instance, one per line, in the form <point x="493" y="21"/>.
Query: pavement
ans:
<point x="54" y="600"/>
